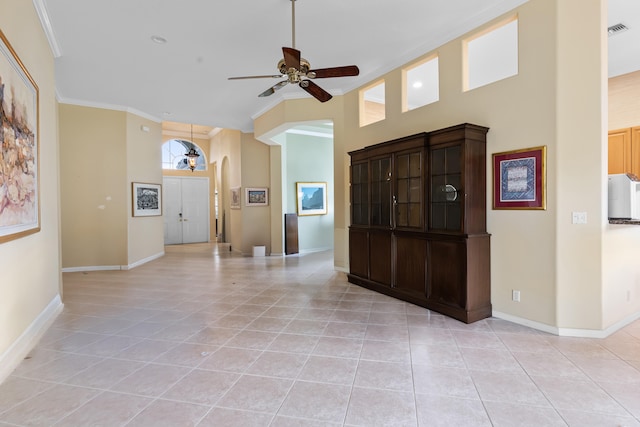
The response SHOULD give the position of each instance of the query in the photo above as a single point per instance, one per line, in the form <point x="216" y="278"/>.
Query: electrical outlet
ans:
<point x="515" y="296"/>
<point x="628" y="295"/>
<point x="578" y="217"/>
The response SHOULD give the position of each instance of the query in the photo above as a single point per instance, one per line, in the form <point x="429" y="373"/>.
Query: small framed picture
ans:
<point x="256" y="197"/>
<point x="235" y="198"/>
<point x="147" y="199"/>
<point x="519" y="179"/>
<point x="312" y="198"/>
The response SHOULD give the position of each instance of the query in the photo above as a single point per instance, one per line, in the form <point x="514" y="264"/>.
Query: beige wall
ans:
<point x="581" y="162"/>
<point x="225" y="152"/>
<point x="558" y="99"/>
<point x="101" y="153"/>
<point x="256" y="220"/>
<point x="94" y="187"/>
<point x="31" y="282"/>
<point x="145" y="235"/>
<point x="277" y="188"/>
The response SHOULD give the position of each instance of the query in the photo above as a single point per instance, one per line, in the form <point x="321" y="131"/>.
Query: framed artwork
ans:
<point x="312" y="198"/>
<point x="519" y="179"/>
<point x="19" y="147"/>
<point x="235" y="198"/>
<point x="147" y="199"/>
<point x="256" y="197"/>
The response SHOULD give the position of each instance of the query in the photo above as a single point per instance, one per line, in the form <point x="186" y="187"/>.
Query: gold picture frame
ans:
<point x="19" y="156"/>
<point x="311" y="198"/>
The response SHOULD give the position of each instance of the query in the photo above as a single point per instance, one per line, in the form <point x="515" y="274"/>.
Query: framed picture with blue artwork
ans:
<point x="519" y="179"/>
<point x="312" y="198"/>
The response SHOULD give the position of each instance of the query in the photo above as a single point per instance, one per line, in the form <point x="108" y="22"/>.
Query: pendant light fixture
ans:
<point x="192" y="154"/>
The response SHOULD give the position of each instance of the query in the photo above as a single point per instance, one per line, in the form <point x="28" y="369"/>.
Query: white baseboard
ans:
<point x="569" y="332"/>
<point x="591" y="333"/>
<point x="526" y="322"/>
<point x="91" y="268"/>
<point x="12" y="357"/>
<point x="113" y="267"/>
<point x="314" y="250"/>
<point x="143" y="261"/>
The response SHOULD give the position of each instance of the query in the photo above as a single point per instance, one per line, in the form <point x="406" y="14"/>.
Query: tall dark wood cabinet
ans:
<point x="418" y="221"/>
<point x="290" y="233"/>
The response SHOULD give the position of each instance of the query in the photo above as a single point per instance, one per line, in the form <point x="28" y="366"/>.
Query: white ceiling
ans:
<point x="105" y="55"/>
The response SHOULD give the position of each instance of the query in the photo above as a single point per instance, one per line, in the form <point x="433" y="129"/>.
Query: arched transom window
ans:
<point x="173" y="155"/>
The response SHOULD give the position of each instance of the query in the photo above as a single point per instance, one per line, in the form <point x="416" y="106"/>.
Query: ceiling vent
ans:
<point x="616" y="29"/>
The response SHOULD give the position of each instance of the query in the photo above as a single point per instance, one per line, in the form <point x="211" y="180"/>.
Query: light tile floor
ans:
<point x="203" y="337"/>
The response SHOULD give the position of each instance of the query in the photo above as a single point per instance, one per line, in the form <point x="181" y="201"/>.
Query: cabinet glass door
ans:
<point x="381" y="192"/>
<point x="360" y="194"/>
<point x="447" y="194"/>
<point x="408" y="197"/>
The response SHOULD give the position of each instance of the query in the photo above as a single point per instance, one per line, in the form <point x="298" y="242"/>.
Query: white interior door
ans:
<point x="186" y="205"/>
<point x="195" y="210"/>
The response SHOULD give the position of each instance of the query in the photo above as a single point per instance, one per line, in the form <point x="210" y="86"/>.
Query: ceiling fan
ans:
<point x="297" y="70"/>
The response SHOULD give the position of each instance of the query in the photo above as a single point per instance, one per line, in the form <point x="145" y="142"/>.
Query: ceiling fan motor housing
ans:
<point x="305" y="66"/>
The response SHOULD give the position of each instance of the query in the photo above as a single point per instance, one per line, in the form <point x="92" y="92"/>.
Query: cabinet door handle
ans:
<point x="450" y="192"/>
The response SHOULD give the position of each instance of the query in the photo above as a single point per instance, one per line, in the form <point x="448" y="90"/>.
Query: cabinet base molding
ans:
<point x="463" y="315"/>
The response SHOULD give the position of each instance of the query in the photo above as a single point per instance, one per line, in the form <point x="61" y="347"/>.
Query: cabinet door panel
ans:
<point x="620" y="151"/>
<point x="411" y="256"/>
<point x="408" y="198"/>
<point x="447" y="272"/>
<point x="635" y="151"/>
<point x="380" y="257"/>
<point x="360" y="194"/>
<point x="381" y="192"/>
<point x="359" y="252"/>
<point x="447" y="192"/>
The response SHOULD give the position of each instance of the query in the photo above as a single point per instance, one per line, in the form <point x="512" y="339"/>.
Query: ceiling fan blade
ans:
<point x="291" y="57"/>
<point x="271" y="76"/>
<point x="346" y="71"/>
<point x="273" y="88"/>
<point x="316" y="91"/>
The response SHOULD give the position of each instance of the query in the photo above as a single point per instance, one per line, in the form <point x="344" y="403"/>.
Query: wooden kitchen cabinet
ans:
<point x="418" y="221"/>
<point x="624" y="151"/>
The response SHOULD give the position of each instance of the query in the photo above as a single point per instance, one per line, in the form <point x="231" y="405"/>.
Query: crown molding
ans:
<point x="113" y="107"/>
<point x="41" y="9"/>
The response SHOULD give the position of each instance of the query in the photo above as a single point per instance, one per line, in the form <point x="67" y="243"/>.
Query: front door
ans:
<point x="186" y="205"/>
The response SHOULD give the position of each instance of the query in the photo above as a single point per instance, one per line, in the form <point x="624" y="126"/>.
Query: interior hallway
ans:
<point x="204" y="337"/>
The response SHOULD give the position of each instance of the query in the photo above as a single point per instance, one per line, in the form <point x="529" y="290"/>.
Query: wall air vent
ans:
<point x="616" y="29"/>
